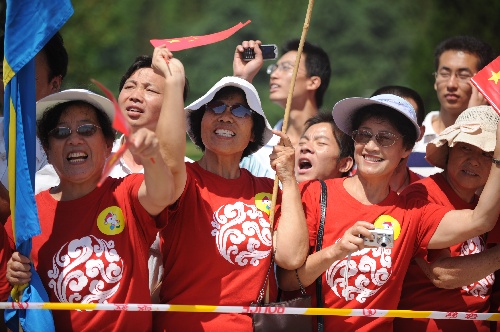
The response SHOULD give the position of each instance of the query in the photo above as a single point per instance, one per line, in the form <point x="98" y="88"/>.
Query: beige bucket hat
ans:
<point x="475" y="126"/>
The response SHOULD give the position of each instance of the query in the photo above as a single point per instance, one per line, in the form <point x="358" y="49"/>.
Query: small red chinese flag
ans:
<point x="487" y="81"/>
<point x="183" y="43"/>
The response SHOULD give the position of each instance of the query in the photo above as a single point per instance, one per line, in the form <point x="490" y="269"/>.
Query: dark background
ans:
<point x="371" y="43"/>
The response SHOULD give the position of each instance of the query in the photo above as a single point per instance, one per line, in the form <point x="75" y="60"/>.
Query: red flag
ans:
<point x="183" y="43"/>
<point x="487" y="81"/>
<point x="119" y="122"/>
<point x="112" y="161"/>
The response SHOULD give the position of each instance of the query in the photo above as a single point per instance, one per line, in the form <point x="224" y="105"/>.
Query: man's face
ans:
<point x="318" y="154"/>
<point x="44" y="87"/>
<point x="452" y="83"/>
<point x="141" y="98"/>
<point x="281" y="79"/>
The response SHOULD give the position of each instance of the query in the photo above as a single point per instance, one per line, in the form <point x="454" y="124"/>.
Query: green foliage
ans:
<point x="370" y="42"/>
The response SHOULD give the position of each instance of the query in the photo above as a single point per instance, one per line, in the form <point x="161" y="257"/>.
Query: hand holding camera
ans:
<point x="381" y="238"/>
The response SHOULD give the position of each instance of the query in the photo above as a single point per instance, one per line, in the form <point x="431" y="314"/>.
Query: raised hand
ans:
<point x="247" y="69"/>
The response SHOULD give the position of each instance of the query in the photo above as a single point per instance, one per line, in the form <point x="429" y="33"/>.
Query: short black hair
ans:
<point x="467" y="44"/>
<point x="258" y="121"/>
<point x="344" y="141"/>
<point x="317" y="64"/>
<point x="51" y="117"/>
<point x="402" y="124"/>
<point x="405" y="92"/>
<point x="145" y="61"/>
<point x="57" y="56"/>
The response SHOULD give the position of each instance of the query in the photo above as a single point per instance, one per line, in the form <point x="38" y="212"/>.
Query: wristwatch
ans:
<point x="495" y="161"/>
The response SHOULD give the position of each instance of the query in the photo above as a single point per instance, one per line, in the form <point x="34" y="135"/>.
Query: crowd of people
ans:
<point x="166" y="229"/>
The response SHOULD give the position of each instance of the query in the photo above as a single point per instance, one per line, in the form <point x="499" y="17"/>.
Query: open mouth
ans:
<point x="372" y="159"/>
<point x="467" y="172"/>
<point x="304" y="164"/>
<point x="76" y="157"/>
<point x="225" y="133"/>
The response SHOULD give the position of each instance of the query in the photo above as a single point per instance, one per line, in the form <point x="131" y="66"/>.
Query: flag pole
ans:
<point x="287" y="114"/>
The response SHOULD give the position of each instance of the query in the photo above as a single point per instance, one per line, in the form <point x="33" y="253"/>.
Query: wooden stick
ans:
<point x="287" y="115"/>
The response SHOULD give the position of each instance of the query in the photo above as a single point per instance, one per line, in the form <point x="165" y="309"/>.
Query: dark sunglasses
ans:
<point x="86" y="130"/>
<point x="383" y="138"/>
<point x="238" y="110"/>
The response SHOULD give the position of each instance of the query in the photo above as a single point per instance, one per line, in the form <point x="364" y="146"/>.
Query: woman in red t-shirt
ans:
<point x="384" y="130"/>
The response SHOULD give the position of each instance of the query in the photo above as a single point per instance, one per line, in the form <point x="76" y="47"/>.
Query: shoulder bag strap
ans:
<point x="319" y="245"/>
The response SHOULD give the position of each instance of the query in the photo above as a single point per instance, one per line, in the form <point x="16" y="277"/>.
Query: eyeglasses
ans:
<point x="463" y="76"/>
<point x="86" y="130"/>
<point x="383" y="138"/>
<point x="238" y="110"/>
<point x="285" y="67"/>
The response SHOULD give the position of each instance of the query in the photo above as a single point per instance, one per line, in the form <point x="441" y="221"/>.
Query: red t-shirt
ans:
<point x="419" y="293"/>
<point x="95" y="250"/>
<point x="216" y="250"/>
<point x="5" y="253"/>
<point x="375" y="275"/>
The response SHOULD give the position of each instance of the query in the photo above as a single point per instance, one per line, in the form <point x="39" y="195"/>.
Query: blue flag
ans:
<point x="29" y="26"/>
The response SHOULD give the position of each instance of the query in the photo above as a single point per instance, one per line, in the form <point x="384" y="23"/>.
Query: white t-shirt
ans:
<point x="41" y="158"/>
<point x="258" y="163"/>
<point x="416" y="160"/>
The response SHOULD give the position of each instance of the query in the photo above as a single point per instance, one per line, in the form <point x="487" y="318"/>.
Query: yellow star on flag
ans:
<point x="494" y="77"/>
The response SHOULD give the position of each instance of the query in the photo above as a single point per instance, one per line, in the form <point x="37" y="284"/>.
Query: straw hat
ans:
<point x="475" y="126"/>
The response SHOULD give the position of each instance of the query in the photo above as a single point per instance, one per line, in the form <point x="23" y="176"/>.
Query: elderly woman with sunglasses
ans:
<point x="95" y="240"/>
<point x="354" y="274"/>
<point x="218" y="244"/>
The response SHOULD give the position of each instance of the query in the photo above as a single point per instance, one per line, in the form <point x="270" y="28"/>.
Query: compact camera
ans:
<point x="269" y="52"/>
<point x="381" y="238"/>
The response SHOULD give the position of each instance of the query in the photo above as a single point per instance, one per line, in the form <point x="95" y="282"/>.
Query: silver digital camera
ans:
<point x="381" y="238"/>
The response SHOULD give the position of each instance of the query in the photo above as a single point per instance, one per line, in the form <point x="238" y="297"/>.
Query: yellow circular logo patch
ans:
<point x="263" y="202"/>
<point x="386" y="221"/>
<point x="111" y="221"/>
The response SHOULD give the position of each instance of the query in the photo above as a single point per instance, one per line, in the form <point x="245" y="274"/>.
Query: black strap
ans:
<point x="319" y="245"/>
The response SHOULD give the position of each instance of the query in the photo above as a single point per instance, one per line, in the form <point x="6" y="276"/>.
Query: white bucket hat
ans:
<point x="344" y="110"/>
<point x="100" y="102"/>
<point x="251" y="96"/>
<point x="475" y="126"/>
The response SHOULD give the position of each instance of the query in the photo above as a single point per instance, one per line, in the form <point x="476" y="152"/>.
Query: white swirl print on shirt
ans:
<point x="86" y="270"/>
<point x="482" y="287"/>
<point x="364" y="278"/>
<point x="233" y="224"/>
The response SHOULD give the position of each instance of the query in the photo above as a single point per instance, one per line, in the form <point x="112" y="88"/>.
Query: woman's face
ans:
<point x="468" y="168"/>
<point x="225" y="133"/>
<point x="78" y="157"/>
<point x="372" y="158"/>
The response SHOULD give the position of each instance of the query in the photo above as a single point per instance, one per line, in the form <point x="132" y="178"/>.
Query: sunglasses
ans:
<point x="86" y="130"/>
<point x="238" y="110"/>
<point x="383" y="138"/>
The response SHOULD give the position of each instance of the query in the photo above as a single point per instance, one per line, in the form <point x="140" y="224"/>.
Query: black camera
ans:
<point x="269" y="52"/>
